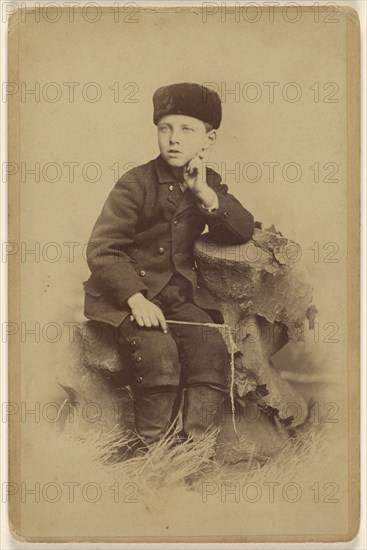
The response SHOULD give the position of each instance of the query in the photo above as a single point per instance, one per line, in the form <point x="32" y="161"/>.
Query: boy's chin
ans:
<point x="175" y="163"/>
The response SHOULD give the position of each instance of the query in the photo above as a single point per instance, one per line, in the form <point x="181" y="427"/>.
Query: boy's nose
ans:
<point x="174" y="138"/>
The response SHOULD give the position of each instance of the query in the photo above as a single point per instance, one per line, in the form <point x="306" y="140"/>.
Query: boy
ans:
<point x="143" y="271"/>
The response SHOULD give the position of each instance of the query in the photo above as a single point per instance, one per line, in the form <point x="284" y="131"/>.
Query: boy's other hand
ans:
<point x="145" y="313"/>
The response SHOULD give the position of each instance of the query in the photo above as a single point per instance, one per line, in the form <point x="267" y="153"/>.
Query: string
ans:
<point x="232" y="351"/>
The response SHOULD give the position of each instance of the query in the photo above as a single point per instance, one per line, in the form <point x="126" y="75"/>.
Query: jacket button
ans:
<point x="139" y="379"/>
<point x="171" y="188"/>
<point x="138" y="359"/>
<point x="142" y="273"/>
<point x="225" y="214"/>
<point x="175" y="222"/>
<point x="161" y="250"/>
<point x="133" y="342"/>
<point x="197" y="286"/>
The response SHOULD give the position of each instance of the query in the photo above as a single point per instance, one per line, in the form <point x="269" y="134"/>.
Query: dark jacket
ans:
<point x="146" y="231"/>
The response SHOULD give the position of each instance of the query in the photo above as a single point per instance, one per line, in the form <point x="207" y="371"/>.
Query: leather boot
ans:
<point x="153" y="414"/>
<point x="202" y="409"/>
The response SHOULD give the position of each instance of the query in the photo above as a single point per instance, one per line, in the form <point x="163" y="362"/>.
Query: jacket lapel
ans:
<point x="181" y="200"/>
<point x="187" y="201"/>
<point x="175" y="195"/>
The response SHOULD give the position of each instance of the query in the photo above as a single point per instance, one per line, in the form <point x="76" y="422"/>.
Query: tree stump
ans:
<point x="94" y="381"/>
<point x="265" y="294"/>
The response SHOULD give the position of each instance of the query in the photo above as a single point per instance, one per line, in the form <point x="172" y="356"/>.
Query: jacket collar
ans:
<point x="165" y="172"/>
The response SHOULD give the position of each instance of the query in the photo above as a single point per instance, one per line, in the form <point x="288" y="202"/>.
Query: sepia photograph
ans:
<point x="183" y="257"/>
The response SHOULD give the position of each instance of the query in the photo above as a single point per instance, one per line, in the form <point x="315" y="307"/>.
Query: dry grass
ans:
<point x="171" y="463"/>
<point x="298" y="455"/>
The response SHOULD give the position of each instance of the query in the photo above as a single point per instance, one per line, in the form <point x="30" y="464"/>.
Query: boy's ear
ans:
<point x="210" y="139"/>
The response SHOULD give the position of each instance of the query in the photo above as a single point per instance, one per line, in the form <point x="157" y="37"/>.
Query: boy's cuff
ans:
<point x="213" y="207"/>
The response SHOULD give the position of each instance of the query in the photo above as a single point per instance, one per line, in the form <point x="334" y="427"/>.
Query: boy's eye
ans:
<point x="187" y="129"/>
<point x="163" y="128"/>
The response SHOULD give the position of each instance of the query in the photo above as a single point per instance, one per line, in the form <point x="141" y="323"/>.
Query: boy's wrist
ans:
<point x="206" y="196"/>
<point x="135" y="299"/>
<point x="213" y="207"/>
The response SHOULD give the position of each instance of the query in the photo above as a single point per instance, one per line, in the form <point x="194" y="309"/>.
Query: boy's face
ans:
<point x="181" y="137"/>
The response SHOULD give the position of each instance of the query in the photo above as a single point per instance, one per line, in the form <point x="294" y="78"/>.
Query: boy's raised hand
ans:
<point x="195" y="174"/>
<point x="145" y="313"/>
<point x="195" y="177"/>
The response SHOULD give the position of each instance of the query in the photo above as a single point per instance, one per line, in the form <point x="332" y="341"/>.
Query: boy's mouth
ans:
<point x="174" y="151"/>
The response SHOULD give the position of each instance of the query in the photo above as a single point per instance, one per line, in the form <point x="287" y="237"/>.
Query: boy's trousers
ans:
<point x="185" y="356"/>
